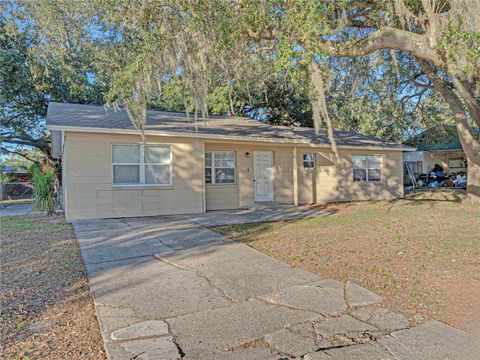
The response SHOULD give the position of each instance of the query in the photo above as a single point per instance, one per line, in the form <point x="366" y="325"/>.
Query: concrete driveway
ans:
<point x="168" y="288"/>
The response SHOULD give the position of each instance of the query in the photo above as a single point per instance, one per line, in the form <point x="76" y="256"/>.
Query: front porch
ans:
<point x="258" y="213"/>
<point x="239" y="175"/>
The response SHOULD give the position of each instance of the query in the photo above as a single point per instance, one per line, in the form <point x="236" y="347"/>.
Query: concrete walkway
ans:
<point x="18" y="210"/>
<point x="168" y="288"/>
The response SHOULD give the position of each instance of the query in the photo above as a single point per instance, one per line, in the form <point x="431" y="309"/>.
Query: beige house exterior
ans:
<point x="210" y="167"/>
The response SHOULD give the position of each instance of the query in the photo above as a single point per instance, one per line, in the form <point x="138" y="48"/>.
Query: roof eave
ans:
<point x="217" y="137"/>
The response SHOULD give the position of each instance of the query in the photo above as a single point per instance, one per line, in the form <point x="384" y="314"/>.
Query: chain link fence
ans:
<point x="16" y="191"/>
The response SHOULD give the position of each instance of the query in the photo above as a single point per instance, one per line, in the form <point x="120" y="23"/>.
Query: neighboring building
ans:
<point x="16" y="175"/>
<point x="439" y="145"/>
<point x="215" y="163"/>
<point x="16" y="184"/>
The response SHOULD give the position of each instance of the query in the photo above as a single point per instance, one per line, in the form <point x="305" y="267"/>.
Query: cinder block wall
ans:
<point x="241" y="194"/>
<point x="90" y="194"/>
<point x="334" y="177"/>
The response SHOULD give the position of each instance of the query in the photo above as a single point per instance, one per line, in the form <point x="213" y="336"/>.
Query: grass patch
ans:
<point x="46" y="308"/>
<point x="18" y="224"/>
<point x="420" y="252"/>
<point x="14" y="202"/>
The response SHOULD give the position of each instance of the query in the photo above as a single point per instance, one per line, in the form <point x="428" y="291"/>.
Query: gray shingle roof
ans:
<point x="62" y="115"/>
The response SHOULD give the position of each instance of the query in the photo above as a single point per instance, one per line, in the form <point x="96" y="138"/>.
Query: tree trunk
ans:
<point x="473" y="181"/>
<point x="471" y="146"/>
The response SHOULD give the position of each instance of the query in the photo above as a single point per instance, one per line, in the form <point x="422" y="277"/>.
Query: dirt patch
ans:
<point x="421" y="253"/>
<point x="46" y="307"/>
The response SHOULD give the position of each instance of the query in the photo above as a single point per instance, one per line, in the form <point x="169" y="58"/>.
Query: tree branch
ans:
<point x="469" y="99"/>
<point x="18" y="153"/>
<point x="42" y="146"/>
<point x="385" y="38"/>
<point x="470" y="145"/>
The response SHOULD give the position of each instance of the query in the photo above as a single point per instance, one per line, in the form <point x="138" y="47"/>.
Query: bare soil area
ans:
<point x="421" y="253"/>
<point x="46" y="307"/>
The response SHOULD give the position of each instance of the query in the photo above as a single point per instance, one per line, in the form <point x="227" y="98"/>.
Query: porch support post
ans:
<point x="204" y="187"/>
<point x="295" y="177"/>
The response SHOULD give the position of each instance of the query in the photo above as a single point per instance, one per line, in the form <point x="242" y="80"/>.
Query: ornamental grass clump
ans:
<point x="43" y="187"/>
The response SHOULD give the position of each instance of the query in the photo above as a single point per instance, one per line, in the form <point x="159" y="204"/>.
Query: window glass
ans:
<point x="157" y="154"/>
<point x="124" y="154"/>
<point x="126" y="174"/>
<point x="208" y="159"/>
<point x="130" y="164"/>
<point x="220" y="167"/>
<point x="224" y="159"/>
<point x="374" y="162"/>
<point x="373" y="175"/>
<point x="367" y="168"/>
<point x="359" y="175"/>
<point x="359" y="162"/>
<point x="157" y="174"/>
<point x="208" y="175"/>
<point x="224" y="176"/>
<point x="309" y="161"/>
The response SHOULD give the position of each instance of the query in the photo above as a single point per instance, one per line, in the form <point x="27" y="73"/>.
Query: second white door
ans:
<point x="263" y="175"/>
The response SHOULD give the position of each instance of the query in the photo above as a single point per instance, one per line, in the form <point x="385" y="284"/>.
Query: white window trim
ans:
<point x="306" y="161"/>
<point x="366" y="169"/>
<point x="213" y="168"/>
<point x="142" y="165"/>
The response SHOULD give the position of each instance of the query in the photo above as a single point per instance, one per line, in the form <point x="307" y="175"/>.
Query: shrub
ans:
<point x="43" y="187"/>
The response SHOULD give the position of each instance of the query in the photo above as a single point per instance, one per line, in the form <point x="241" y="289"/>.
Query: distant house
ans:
<point x="438" y="146"/>
<point x="216" y="163"/>
<point x="16" y="184"/>
<point x="16" y="175"/>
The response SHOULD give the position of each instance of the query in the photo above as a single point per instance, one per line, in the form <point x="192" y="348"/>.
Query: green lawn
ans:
<point x="422" y="252"/>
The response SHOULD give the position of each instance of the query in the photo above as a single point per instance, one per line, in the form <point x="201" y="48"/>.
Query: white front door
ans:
<point x="263" y="175"/>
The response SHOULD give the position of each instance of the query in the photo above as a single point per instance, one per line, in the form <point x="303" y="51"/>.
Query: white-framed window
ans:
<point x="141" y="164"/>
<point x="220" y="167"/>
<point x="309" y="161"/>
<point x="367" y="168"/>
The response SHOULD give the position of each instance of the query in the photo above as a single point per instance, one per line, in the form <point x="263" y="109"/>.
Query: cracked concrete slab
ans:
<point x="342" y="331"/>
<point x="353" y="352"/>
<point x="141" y="329"/>
<point x="344" y="324"/>
<point x="221" y="329"/>
<point x="152" y="288"/>
<point x="155" y="348"/>
<point x="431" y="340"/>
<point x="381" y="317"/>
<point x="105" y="246"/>
<point x="304" y="329"/>
<point x="222" y="300"/>
<point x="322" y="300"/>
<point x="290" y="343"/>
<point x="115" y="351"/>
<point x="112" y="318"/>
<point x="359" y="296"/>
<point x="240" y="271"/>
<point x="253" y="353"/>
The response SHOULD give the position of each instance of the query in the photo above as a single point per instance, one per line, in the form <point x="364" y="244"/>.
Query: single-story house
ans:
<point x="181" y="166"/>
